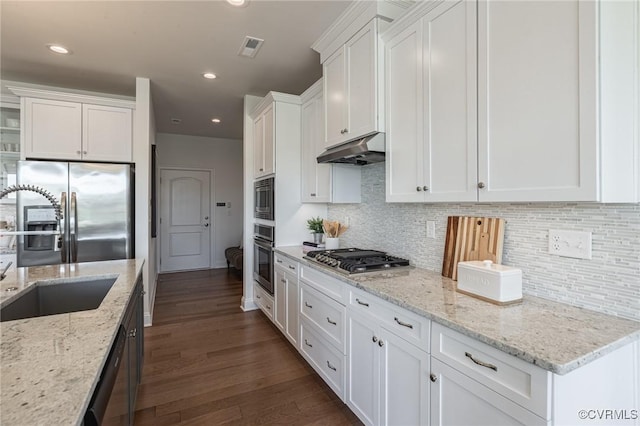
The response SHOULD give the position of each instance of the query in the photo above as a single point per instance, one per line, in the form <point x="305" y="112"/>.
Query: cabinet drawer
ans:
<point x="325" y="314"/>
<point x="513" y="378"/>
<point x="325" y="283"/>
<point x="263" y="300"/>
<point x="324" y="358"/>
<point x="286" y="263"/>
<point x="408" y="325"/>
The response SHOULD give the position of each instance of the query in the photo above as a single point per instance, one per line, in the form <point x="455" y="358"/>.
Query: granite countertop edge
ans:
<point x="295" y="253"/>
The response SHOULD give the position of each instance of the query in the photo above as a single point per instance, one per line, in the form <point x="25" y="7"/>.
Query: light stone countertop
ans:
<point x="50" y="365"/>
<point x="554" y="336"/>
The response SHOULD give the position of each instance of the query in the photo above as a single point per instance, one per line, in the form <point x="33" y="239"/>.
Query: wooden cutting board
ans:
<point x="471" y="238"/>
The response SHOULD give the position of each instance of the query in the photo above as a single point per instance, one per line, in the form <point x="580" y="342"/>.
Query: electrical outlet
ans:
<point x="431" y="229"/>
<point x="570" y="243"/>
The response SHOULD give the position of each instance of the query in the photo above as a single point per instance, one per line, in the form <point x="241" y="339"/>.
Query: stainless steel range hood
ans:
<point x="362" y="151"/>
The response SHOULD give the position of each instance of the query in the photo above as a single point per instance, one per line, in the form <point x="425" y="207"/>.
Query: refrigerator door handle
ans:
<point x="74" y="229"/>
<point x="63" y="228"/>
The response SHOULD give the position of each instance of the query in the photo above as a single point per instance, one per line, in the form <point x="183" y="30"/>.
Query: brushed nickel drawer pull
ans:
<point x="307" y="305"/>
<point x="331" y="322"/>
<point x="481" y="363"/>
<point x="404" y="324"/>
<point x="362" y="303"/>
<point x="306" y="342"/>
<point x="331" y="366"/>
<point x="292" y="267"/>
<point x="258" y="296"/>
<point x="279" y="261"/>
<point x="283" y="281"/>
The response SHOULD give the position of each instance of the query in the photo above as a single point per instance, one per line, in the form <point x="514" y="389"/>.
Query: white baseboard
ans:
<point x="248" y="305"/>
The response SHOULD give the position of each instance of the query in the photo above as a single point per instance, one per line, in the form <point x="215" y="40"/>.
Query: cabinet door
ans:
<point x="457" y="399"/>
<point x="449" y="103"/>
<point x="292" y="328"/>
<point x="536" y="65"/>
<point x="53" y="129"/>
<point x="362" y="371"/>
<point x="316" y="178"/>
<point x="258" y="146"/>
<point x="404" y="382"/>
<point x="404" y="145"/>
<point x="362" y="77"/>
<point x="107" y="133"/>
<point x="269" y="145"/>
<point x="280" y="296"/>
<point x="335" y="98"/>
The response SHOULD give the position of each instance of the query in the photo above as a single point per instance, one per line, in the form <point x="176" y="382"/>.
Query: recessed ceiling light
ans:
<point x="215" y="120"/>
<point x="238" y="3"/>
<point x="209" y="75"/>
<point x="56" y="48"/>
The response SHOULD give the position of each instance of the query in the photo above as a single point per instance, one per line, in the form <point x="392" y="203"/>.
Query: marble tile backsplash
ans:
<point x="609" y="282"/>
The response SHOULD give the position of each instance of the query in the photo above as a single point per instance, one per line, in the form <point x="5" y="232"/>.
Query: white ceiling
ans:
<point x="172" y="43"/>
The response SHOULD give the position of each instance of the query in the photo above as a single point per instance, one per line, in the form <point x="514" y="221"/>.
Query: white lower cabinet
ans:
<point x="325" y="358"/>
<point x="388" y="377"/>
<point x="264" y="300"/>
<point x="286" y="298"/>
<point x="457" y="399"/>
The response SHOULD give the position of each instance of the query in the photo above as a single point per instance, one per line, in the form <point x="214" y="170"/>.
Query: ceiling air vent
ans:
<point x="250" y="46"/>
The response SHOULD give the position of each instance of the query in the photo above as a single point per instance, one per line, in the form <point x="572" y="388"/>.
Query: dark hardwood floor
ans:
<point x="207" y="362"/>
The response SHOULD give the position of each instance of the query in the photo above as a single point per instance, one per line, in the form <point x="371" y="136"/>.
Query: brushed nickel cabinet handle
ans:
<point x="331" y="366"/>
<point x="433" y="377"/>
<point x="362" y="303"/>
<point x="292" y="267"/>
<point x="418" y="188"/>
<point x="380" y="343"/>
<point x="375" y="339"/>
<point x="331" y="322"/>
<point x="283" y="281"/>
<point x="404" y="324"/>
<point x="258" y="296"/>
<point x="425" y="188"/>
<point x="306" y="342"/>
<point x="279" y="261"/>
<point x="313" y="194"/>
<point x="480" y="185"/>
<point x="481" y="363"/>
<point x="308" y="305"/>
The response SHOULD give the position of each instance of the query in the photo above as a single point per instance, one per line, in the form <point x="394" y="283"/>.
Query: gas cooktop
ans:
<point x="354" y="260"/>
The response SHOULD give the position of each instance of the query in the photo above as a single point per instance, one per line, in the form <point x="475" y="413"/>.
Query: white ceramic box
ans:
<point x="489" y="281"/>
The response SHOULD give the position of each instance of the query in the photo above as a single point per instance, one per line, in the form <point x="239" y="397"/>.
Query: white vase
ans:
<point x="331" y="243"/>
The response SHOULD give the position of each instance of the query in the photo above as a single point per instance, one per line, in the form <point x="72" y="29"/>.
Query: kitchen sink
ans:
<point x="51" y="298"/>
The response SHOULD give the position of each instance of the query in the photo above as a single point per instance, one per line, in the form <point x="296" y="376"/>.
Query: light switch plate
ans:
<point x="575" y="244"/>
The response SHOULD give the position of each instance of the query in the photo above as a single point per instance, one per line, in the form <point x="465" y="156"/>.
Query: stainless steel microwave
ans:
<point x="264" y="197"/>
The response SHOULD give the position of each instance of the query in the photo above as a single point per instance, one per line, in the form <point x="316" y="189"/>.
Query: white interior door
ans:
<point x="185" y="219"/>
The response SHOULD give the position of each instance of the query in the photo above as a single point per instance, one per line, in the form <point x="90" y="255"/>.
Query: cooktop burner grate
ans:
<point x="354" y="260"/>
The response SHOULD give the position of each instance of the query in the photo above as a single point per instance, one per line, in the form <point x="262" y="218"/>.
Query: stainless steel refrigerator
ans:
<point x="97" y="210"/>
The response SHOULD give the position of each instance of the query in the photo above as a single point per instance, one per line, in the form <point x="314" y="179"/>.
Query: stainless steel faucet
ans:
<point x="4" y="271"/>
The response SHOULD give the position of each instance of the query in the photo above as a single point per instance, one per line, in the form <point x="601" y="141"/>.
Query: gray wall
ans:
<point x="609" y="282"/>
<point x="224" y="157"/>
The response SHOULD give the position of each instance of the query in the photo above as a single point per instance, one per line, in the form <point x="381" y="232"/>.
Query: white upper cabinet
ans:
<point x="323" y="183"/>
<point x="350" y="89"/>
<point x="557" y="102"/>
<point x="352" y="70"/>
<point x="430" y="69"/>
<point x="62" y="125"/>
<point x="53" y="129"/>
<point x="107" y="133"/>
<point x="316" y="178"/>
<point x="263" y="139"/>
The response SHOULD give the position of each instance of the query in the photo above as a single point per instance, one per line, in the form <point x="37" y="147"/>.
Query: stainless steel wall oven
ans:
<point x="263" y="237"/>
